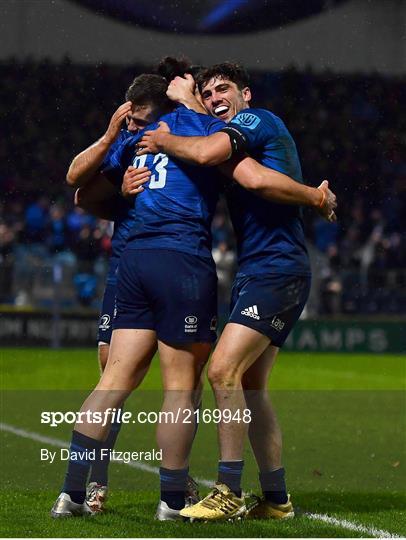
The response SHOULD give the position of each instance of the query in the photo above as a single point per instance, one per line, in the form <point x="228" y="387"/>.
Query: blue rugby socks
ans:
<point x="173" y="487"/>
<point x="273" y="486"/>
<point x="230" y="473"/>
<point x="82" y="450"/>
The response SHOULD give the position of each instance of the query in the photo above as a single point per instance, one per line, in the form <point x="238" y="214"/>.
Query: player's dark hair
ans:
<point x="227" y="70"/>
<point x="149" y="89"/>
<point x="171" y="67"/>
<point x="195" y="70"/>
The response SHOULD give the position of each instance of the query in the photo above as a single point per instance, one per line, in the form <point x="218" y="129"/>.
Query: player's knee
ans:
<point x="116" y="387"/>
<point x="222" y="376"/>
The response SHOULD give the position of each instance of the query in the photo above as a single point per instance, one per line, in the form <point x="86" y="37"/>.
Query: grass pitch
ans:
<point x="344" y="424"/>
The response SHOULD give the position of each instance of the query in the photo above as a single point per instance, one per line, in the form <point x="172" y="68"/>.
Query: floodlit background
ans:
<point x="335" y="71"/>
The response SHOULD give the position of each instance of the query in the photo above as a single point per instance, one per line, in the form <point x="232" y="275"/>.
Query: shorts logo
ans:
<point x="104" y="322"/>
<point x="247" y="120"/>
<point x="251" y="312"/>
<point x="213" y="324"/>
<point x="277" y="324"/>
<point x="190" y="324"/>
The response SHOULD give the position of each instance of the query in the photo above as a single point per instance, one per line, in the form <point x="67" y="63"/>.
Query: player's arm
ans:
<point x="217" y="148"/>
<point x="275" y="186"/>
<point x="86" y="164"/>
<point x="208" y="150"/>
<point x="100" y="198"/>
<point x="103" y="196"/>
<point x="205" y="151"/>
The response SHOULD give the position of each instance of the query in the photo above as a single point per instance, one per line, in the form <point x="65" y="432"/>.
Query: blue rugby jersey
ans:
<point x="176" y="209"/>
<point x="270" y="237"/>
<point x="124" y="218"/>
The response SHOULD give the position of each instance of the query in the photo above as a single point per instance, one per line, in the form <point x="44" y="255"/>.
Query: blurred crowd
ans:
<point x="348" y="129"/>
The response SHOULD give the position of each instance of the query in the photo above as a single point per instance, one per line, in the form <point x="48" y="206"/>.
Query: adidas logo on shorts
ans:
<point x="251" y="312"/>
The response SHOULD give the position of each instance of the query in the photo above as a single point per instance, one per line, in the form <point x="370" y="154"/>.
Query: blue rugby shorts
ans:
<point x="268" y="303"/>
<point x="171" y="292"/>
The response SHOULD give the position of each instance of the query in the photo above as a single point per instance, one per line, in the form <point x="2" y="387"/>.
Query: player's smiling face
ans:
<point x="140" y="117"/>
<point x="223" y="99"/>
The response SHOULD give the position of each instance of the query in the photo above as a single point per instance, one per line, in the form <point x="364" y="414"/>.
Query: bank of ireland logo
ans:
<point x="247" y="120"/>
<point x="191" y="324"/>
<point x="104" y="322"/>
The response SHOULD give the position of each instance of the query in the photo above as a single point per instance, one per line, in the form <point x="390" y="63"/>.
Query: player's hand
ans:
<point x="133" y="180"/>
<point x="151" y="142"/>
<point x="328" y="202"/>
<point x="116" y="122"/>
<point x="181" y="89"/>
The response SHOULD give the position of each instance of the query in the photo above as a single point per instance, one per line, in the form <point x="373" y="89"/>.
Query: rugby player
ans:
<point x="270" y="289"/>
<point x="166" y="291"/>
<point x="99" y="197"/>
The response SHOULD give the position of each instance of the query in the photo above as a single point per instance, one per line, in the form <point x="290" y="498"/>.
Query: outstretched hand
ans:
<point x="328" y="202"/>
<point x="151" y="142"/>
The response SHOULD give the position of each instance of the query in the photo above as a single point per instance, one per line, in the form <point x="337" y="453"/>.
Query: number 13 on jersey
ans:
<point x="158" y="179"/>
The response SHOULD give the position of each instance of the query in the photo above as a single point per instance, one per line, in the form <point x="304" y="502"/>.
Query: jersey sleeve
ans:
<point x="214" y="125"/>
<point x="123" y="136"/>
<point x="115" y="165"/>
<point x="250" y="129"/>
